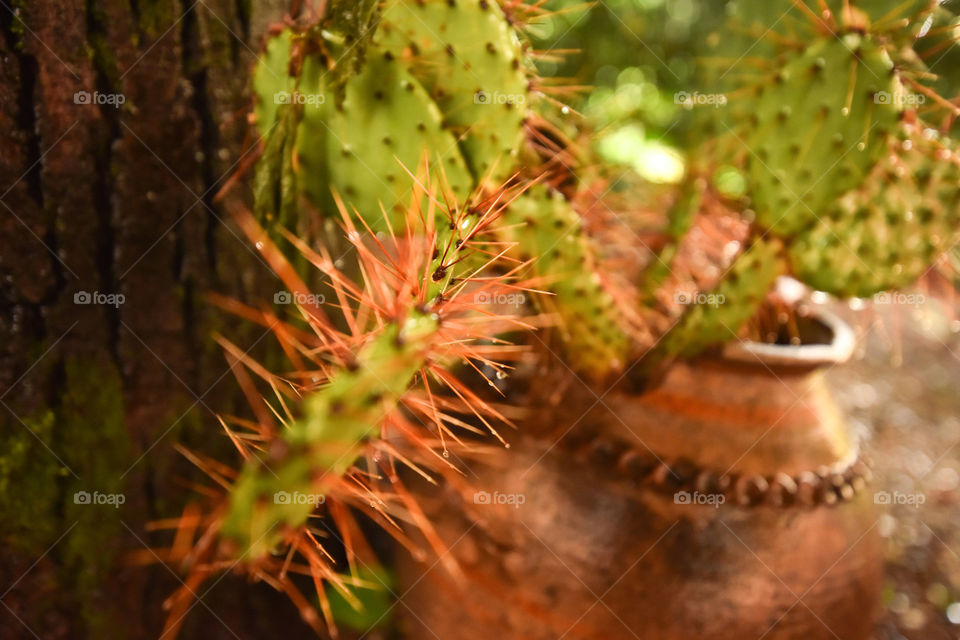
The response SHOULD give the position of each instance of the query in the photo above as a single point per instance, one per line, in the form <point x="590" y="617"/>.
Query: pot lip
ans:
<point x="837" y="351"/>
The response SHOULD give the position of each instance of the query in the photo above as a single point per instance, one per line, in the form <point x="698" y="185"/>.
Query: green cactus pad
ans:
<point x="386" y="122"/>
<point x="886" y="234"/>
<point x="544" y="225"/>
<point x="468" y="57"/>
<point x="337" y="421"/>
<point x="821" y="125"/>
<point x="720" y="314"/>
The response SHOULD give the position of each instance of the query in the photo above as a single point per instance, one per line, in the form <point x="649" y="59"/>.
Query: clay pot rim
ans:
<point x="837" y="351"/>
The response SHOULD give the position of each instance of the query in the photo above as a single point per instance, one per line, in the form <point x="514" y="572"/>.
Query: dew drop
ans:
<point x="259" y="245"/>
<point x="861" y="146"/>
<point x="845" y="112"/>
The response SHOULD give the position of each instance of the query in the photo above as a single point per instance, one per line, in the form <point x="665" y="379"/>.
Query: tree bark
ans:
<point x="103" y="199"/>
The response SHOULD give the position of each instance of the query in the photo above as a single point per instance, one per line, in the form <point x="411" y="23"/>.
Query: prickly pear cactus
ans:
<point x="470" y="61"/>
<point x="441" y="82"/>
<point x="719" y="315"/>
<point x="547" y="230"/>
<point x="337" y="421"/>
<point x="821" y="125"/>
<point x="887" y="233"/>
<point x="360" y="148"/>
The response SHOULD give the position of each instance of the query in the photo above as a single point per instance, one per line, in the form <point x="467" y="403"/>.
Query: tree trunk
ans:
<point x="109" y="238"/>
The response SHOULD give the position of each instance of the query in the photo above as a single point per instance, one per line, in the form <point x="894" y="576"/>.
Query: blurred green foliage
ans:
<point x="636" y="56"/>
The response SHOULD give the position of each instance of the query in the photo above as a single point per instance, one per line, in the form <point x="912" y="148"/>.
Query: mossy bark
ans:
<point x="99" y="198"/>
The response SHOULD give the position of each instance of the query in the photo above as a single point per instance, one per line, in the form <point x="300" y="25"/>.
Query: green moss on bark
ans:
<point x="47" y="461"/>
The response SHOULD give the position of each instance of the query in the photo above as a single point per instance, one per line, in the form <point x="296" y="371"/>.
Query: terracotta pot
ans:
<point x="728" y="503"/>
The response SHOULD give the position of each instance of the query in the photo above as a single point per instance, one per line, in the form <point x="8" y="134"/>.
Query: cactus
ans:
<point x="471" y="62"/>
<point x="720" y="315"/>
<point x="410" y="142"/>
<point x="359" y="149"/>
<point x="860" y="201"/>
<point x="885" y="234"/>
<point x="544" y="228"/>
<point x="820" y="127"/>
<point x="337" y="422"/>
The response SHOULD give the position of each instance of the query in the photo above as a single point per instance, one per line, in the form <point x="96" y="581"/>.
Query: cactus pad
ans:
<point x="720" y="315"/>
<point x="887" y="233"/>
<point x="544" y="225"/>
<point x="359" y="149"/>
<point x="336" y="423"/>
<point x="469" y="59"/>
<point x="821" y="125"/>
